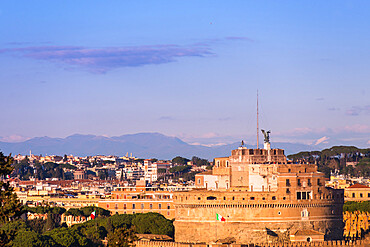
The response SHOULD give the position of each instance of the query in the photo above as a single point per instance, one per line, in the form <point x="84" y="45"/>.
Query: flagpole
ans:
<point x="216" y="229"/>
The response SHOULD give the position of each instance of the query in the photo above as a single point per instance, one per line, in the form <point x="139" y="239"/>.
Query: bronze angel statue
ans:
<point x="267" y="135"/>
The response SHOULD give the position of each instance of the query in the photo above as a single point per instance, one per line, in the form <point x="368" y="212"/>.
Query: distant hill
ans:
<point x="143" y="145"/>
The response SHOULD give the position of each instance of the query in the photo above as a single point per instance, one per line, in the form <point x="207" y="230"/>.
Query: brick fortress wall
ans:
<point x="252" y="216"/>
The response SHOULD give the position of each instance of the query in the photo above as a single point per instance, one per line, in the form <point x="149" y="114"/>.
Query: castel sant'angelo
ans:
<point x="257" y="195"/>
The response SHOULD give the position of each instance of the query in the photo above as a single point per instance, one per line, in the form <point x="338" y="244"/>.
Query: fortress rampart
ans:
<point x="256" y="221"/>
<point x="359" y="243"/>
<point x="261" y="198"/>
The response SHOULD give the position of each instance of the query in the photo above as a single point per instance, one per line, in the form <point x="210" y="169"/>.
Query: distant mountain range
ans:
<point x="143" y="145"/>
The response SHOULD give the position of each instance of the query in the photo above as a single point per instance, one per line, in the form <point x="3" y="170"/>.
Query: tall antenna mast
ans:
<point x="257" y="122"/>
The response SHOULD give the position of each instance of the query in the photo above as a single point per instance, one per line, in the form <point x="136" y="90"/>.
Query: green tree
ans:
<point x="51" y="222"/>
<point x="153" y="223"/>
<point x="9" y="231"/>
<point x="36" y="225"/>
<point x="10" y="206"/>
<point x="32" y="239"/>
<point x="199" y="162"/>
<point x="86" y="211"/>
<point x="180" y="160"/>
<point x="121" y="237"/>
<point x="180" y="169"/>
<point x="68" y="237"/>
<point x="74" y="212"/>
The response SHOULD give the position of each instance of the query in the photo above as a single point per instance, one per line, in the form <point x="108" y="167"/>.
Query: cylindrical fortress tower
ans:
<point x="258" y="197"/>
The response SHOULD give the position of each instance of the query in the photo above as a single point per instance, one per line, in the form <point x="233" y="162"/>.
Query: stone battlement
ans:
<point x="360" y="243"/>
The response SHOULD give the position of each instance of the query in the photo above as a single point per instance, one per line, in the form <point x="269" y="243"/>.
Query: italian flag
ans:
<point x="220" y="218"/>
<point x="92" y="215"/>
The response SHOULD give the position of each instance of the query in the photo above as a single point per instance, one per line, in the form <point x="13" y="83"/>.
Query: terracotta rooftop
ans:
<point x="358" y="186"/>
<point x="307" y="232"/>
<point x="154" y="237"/>
<point x="206" y="173"/>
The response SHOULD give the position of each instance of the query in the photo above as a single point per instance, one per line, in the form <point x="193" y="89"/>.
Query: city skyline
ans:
<point x="186" y="69"/>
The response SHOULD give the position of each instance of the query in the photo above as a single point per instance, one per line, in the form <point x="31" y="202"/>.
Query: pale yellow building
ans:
<point x="357" y="192"/>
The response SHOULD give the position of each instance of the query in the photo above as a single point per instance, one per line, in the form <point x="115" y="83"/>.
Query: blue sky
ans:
<point x="189" y="69"/>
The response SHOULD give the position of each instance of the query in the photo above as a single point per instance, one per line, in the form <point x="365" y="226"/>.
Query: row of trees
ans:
<point x="178" y="160"/>
<point x="119" y="230"/>
<point x="357" y="206"/>
<point x="336" y="158"/>
<point x="24" y="171"/>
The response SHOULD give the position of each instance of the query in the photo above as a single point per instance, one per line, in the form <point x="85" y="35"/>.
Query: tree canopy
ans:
<point x="357" y="206"/>
<point x="10" y="207"/>
<point x="180" y="160"/>
<point x="336" y="158"/>
<point x="119" y="229"/>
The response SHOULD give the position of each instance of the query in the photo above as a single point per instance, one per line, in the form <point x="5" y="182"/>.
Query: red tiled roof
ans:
<point x="357" y="186"/>
<point x="307" y="232"/>
<point x="205" y="173"/>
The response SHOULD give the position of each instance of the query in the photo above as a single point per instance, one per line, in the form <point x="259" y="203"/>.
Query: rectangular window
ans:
<point x="160" y="206"/>
<point x="168" y="206"/>
<point x="142" y="206"/>
<point x="151" y="206"/>
<point x="124" y="206"/>
<point x="360" y="194"/>
<point x="299" y="182"/>
<point x="353" y="195"/>
<point x="309" y="182"/>
<point x="299" y="196"/>
<point x="287" y="182"/>
<point x="133" y="206"/>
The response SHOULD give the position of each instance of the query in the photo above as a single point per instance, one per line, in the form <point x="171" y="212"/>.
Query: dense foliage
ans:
<point x="24" y="170"/>
<point x="86" y="211"/>
<point x="200" y="162"/>
<point x="335" y="158"/>
<point x="119" y="229"/>
<point x="180" y="169"/>
<point x="10" y="207"/>
<point x="180" y="160"/>
<point x="357" y="206"/>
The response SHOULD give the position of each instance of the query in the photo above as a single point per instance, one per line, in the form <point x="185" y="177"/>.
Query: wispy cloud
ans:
<point x="17" y="43"/>
<point x="13" y="138"/>
<point x="239" y="38"/>
<point x="101" y="60"/>
<point x="357" y="110"/>
<point x="357" y="128"/>
<point x="323" y="139"/>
